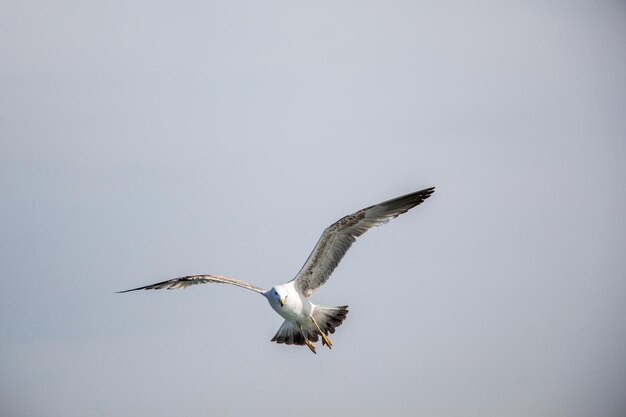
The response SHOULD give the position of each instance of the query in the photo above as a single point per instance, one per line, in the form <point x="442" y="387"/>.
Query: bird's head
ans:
<point x="277" y="294"/>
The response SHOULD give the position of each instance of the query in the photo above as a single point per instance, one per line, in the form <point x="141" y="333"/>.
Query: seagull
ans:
<point x="306" y="322"/>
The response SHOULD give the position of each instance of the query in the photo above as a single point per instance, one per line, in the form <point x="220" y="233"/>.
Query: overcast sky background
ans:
<point x="146" y="140"/>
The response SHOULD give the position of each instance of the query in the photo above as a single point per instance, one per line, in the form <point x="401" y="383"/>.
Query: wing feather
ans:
<point x="188" y="281"/>
<point x="338" y="237"/>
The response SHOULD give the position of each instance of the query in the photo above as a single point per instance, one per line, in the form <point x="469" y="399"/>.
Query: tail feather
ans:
<point x="328" y="318"/>
<point x="289" y="333"/>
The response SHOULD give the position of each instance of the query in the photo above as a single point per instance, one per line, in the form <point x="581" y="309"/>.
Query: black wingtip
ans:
<point x="134" y="289"/>
<point x="425" y="193"/>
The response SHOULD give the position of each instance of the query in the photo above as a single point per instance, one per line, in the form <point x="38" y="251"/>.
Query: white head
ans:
<point x="277" y="295"/>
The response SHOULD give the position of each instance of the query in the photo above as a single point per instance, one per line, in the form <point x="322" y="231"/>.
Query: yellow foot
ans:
<point x="307" y="341"/>
<point x="325" y="339"/>
<point x="310" y="345"/>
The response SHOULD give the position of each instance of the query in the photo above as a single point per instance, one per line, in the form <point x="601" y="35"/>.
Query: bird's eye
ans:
<point x="275" y="292"/>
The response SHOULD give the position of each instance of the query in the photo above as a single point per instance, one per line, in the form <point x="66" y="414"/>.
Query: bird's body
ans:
<point x="304" y="321"/>
<point x="296" y="307"/>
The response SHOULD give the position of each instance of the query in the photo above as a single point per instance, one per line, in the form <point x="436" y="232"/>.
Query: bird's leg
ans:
<point x="307" y="341"/>
<point x="325" y="339"/>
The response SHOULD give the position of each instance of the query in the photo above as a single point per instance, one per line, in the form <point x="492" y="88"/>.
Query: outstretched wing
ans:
<point x="188" y="281"/>
<point x="338" y="237"/>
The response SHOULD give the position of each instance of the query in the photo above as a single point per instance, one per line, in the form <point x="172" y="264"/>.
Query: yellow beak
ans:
<point x="281" y="301"/>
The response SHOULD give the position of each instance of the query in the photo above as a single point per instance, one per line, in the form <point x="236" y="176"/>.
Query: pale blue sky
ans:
<point x="141" y="141"/>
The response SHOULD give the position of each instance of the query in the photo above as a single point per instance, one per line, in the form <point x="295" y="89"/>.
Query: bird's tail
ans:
<point x="329" y="318"/>
<point x="291" y="333"/>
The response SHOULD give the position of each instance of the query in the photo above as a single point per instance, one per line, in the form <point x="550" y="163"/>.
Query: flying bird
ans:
<point x="306" y="322"/>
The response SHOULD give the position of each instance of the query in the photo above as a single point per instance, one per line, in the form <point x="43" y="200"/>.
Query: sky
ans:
<point x="141" y="141"/>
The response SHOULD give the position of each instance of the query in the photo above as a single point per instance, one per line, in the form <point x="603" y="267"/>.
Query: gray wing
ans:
<point x="188" y="281"/>
<point x="338" y="237"/>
